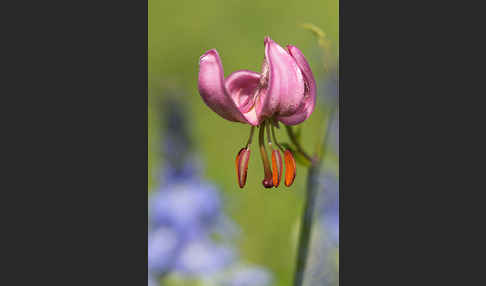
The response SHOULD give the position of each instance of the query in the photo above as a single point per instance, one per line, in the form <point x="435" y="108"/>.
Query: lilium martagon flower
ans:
<point x="285" y="91"/>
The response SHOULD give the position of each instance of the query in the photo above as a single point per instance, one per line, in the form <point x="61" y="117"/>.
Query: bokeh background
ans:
<point x="204" y="229"/>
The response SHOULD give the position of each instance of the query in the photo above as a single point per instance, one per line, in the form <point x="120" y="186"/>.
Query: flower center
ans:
<point x="247" y="101"/>
<point x="248" y="95"/>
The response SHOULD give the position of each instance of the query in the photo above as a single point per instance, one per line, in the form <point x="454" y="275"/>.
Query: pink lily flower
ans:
<point x="285" y="91"/>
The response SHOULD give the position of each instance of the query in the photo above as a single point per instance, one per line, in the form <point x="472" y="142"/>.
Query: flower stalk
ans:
<point x="314" y="170"/>
<point x="295" y="141"/>
<point x="307" y="218"/>
<point x="306" y="224"/>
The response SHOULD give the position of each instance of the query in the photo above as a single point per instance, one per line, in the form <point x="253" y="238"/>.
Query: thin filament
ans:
<point x="268" y="136"/>
<point x="251" y="137"/>
<point x="275" y="140"/>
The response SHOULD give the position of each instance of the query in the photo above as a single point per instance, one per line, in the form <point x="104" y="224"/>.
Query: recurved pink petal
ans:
<point x="285" y="89"/>
<point x="242" y="87"/>
<point x="309" y="101"/>
<point x="212" y="89"/>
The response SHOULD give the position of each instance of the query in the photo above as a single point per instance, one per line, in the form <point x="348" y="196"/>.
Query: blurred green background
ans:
<point x="179" y="32"/>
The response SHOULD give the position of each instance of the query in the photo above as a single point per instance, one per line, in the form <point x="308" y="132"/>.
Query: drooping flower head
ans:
<point x="284" y="91"/>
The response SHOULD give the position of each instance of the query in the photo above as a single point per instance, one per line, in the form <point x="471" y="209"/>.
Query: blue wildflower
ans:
<point x="184" y="171"/>
<point x="188" y="208"/>
<point x="163" y="246"/>
<point x="203" y="257"/>
<point x="249" y="276"/>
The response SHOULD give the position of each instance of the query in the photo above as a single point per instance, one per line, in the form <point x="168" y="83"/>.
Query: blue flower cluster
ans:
<point x="248" y="276"/>
<point x="183" y="215"/>
<point x="189" y="234"/>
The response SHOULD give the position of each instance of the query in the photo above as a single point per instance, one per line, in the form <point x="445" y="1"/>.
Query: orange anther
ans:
<point x="289" y="168"/>
<point x="242" y="159"/>
<point x="276" y="167"/>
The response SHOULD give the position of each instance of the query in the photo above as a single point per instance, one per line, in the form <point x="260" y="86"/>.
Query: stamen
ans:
<point x="276" y="167"/>
<point x="252" y="130"/>
<point x="290" y="170"/>
<point x="275" y="140"/>
<point x="268" y="180"/>
<point x="242" y="159"/>
<point x="276" y="159"/>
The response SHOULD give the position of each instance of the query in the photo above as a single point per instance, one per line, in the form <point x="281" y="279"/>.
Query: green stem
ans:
<point x="307" y="218"/>
<point x="296" y="142"/>
<point x="306" y="223"/>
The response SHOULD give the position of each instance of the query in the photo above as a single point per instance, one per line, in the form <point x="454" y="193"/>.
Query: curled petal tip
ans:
<point x="242" y="159"/>
<point x="212" y="90"/>
<point x="212" y="52"/>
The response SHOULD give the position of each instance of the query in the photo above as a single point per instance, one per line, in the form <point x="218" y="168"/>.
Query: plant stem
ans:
<point x="294" y="140"/>
<point x="307" y="218"/>
<point x="306" y="223"/>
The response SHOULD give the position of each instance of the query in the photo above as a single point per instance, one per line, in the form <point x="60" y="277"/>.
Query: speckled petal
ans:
<point x="285" y="89"/>
<point x="309" y="101"/>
